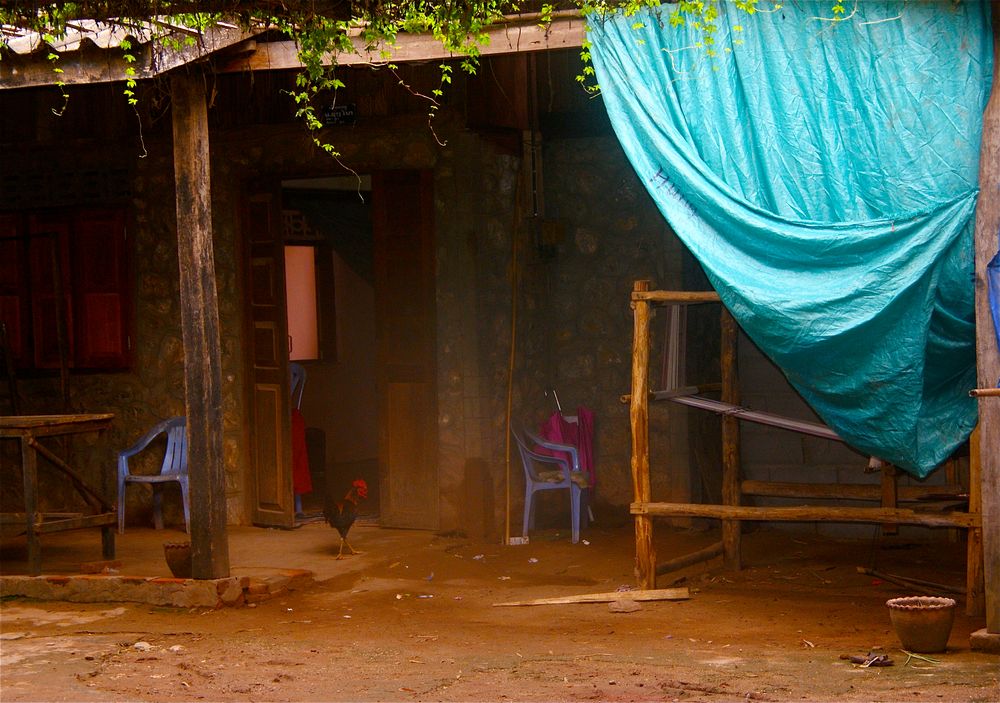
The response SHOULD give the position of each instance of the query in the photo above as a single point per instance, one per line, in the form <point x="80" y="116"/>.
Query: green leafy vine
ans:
<point x="374" y="26"/>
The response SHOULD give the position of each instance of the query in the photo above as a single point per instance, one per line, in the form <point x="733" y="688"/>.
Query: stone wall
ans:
<point x="573" y="326"/>
<point x="601" y="233"/>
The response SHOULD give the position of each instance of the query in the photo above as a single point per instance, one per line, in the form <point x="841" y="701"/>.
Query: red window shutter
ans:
<point x="48" y="251"/>
<point x="13" y="286"/>
<point x="101" y="300"/>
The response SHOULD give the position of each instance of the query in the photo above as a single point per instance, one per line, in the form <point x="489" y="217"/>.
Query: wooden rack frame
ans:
<point x="732" y="512"/>
<point x="27" y="429"/>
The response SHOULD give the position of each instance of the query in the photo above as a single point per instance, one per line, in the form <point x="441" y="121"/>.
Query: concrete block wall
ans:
<point x="773" y="454"/>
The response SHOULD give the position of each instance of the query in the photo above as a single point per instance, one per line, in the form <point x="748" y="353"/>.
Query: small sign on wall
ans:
<point x="340" y="114"/>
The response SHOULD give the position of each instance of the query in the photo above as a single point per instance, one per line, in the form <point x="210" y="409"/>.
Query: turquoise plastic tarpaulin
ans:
<point x="825" y="176"/>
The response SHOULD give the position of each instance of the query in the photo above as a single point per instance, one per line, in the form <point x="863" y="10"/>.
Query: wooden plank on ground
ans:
<point x="613" y="597"/>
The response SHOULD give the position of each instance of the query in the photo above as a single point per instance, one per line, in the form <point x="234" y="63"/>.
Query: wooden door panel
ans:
<point x="267" y="366"/>
<point x="265" y="345"/>
<point x="405" y="333"/>
<point x="270" y="489"/>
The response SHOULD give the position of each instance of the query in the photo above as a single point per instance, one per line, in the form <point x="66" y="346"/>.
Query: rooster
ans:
<point x="342" y="513"/>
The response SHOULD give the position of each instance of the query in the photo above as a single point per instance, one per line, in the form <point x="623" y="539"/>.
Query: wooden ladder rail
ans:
<point x="731" y="512"/>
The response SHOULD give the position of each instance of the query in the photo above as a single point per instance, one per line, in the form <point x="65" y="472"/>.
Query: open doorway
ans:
<point x="369" y="403"/>
<point x="330" y="302"/>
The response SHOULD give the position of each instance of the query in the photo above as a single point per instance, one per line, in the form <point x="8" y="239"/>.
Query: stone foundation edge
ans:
<point x="172" y="592"/>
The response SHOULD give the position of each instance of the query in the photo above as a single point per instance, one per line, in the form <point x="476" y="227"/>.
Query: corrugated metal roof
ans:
<point x="103" y="35"/>
<point x="157" y="45"/>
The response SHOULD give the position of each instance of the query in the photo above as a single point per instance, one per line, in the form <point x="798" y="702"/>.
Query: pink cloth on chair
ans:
<point x="580" y="434"/>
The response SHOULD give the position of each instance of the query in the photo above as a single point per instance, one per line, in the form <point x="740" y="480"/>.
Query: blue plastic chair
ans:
<point x="546" y="472"/>
<point x="174" y="468"/>
<point x="296" y="382"/>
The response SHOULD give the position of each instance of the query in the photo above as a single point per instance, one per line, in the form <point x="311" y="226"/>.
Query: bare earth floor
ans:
<point x="412" y="619"/>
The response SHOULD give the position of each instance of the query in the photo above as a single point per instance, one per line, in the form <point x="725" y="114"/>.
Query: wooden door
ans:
<point x="267" y="364"/>
<point x="405" y="347"/>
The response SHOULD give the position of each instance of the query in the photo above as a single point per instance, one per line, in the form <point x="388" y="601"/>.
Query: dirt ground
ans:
<point x="412" y="619"/>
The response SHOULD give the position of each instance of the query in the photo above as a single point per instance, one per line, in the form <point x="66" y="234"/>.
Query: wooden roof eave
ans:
<point x="564" y="32"/>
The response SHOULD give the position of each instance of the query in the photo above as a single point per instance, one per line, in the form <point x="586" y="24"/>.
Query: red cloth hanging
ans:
<point x="301" y="480"/>
<point x="580" y="434"/>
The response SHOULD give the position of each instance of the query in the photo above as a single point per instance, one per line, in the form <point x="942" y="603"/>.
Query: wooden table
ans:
<point x="27" y="429"/>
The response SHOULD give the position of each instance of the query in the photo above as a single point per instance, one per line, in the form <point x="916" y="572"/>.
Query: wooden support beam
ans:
<point x="951" y="477"/>
<point x="975" y="598"/>
<point x="807" y="513"/>
<point x="514" y="35"/>
<point x="678" y="297"/>
<point x="678" y="563"/>
<point x="93" y="498"/>
<point x="731" y="529"/>
<point x="101" y="519"/>
<point x="29" y="467"/>
<point x="890" y="495"/>
<point x="843" y="491"/>
<point x="987" y="354"/>
<point x="200" y="328"/>
<point x="645" y="553"/>
<point x="235" y="53"/>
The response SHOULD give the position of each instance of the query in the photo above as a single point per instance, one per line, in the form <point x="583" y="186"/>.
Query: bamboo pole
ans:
<point x="731" y="529"/>
<point x="645" y="554"/>
<point x="807" y="513"/>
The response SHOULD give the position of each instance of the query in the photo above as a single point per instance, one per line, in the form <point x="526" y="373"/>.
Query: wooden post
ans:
<point x="731" y="536"/>
<point x="889" y="495"/>
<point x="951" y="478"/>
<point x="975" y="598"/>
<point x="200" y="328"/>
<point x="987" y="355"/>
<point x="29" y="465"/>
<point x="645" y="553"/>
